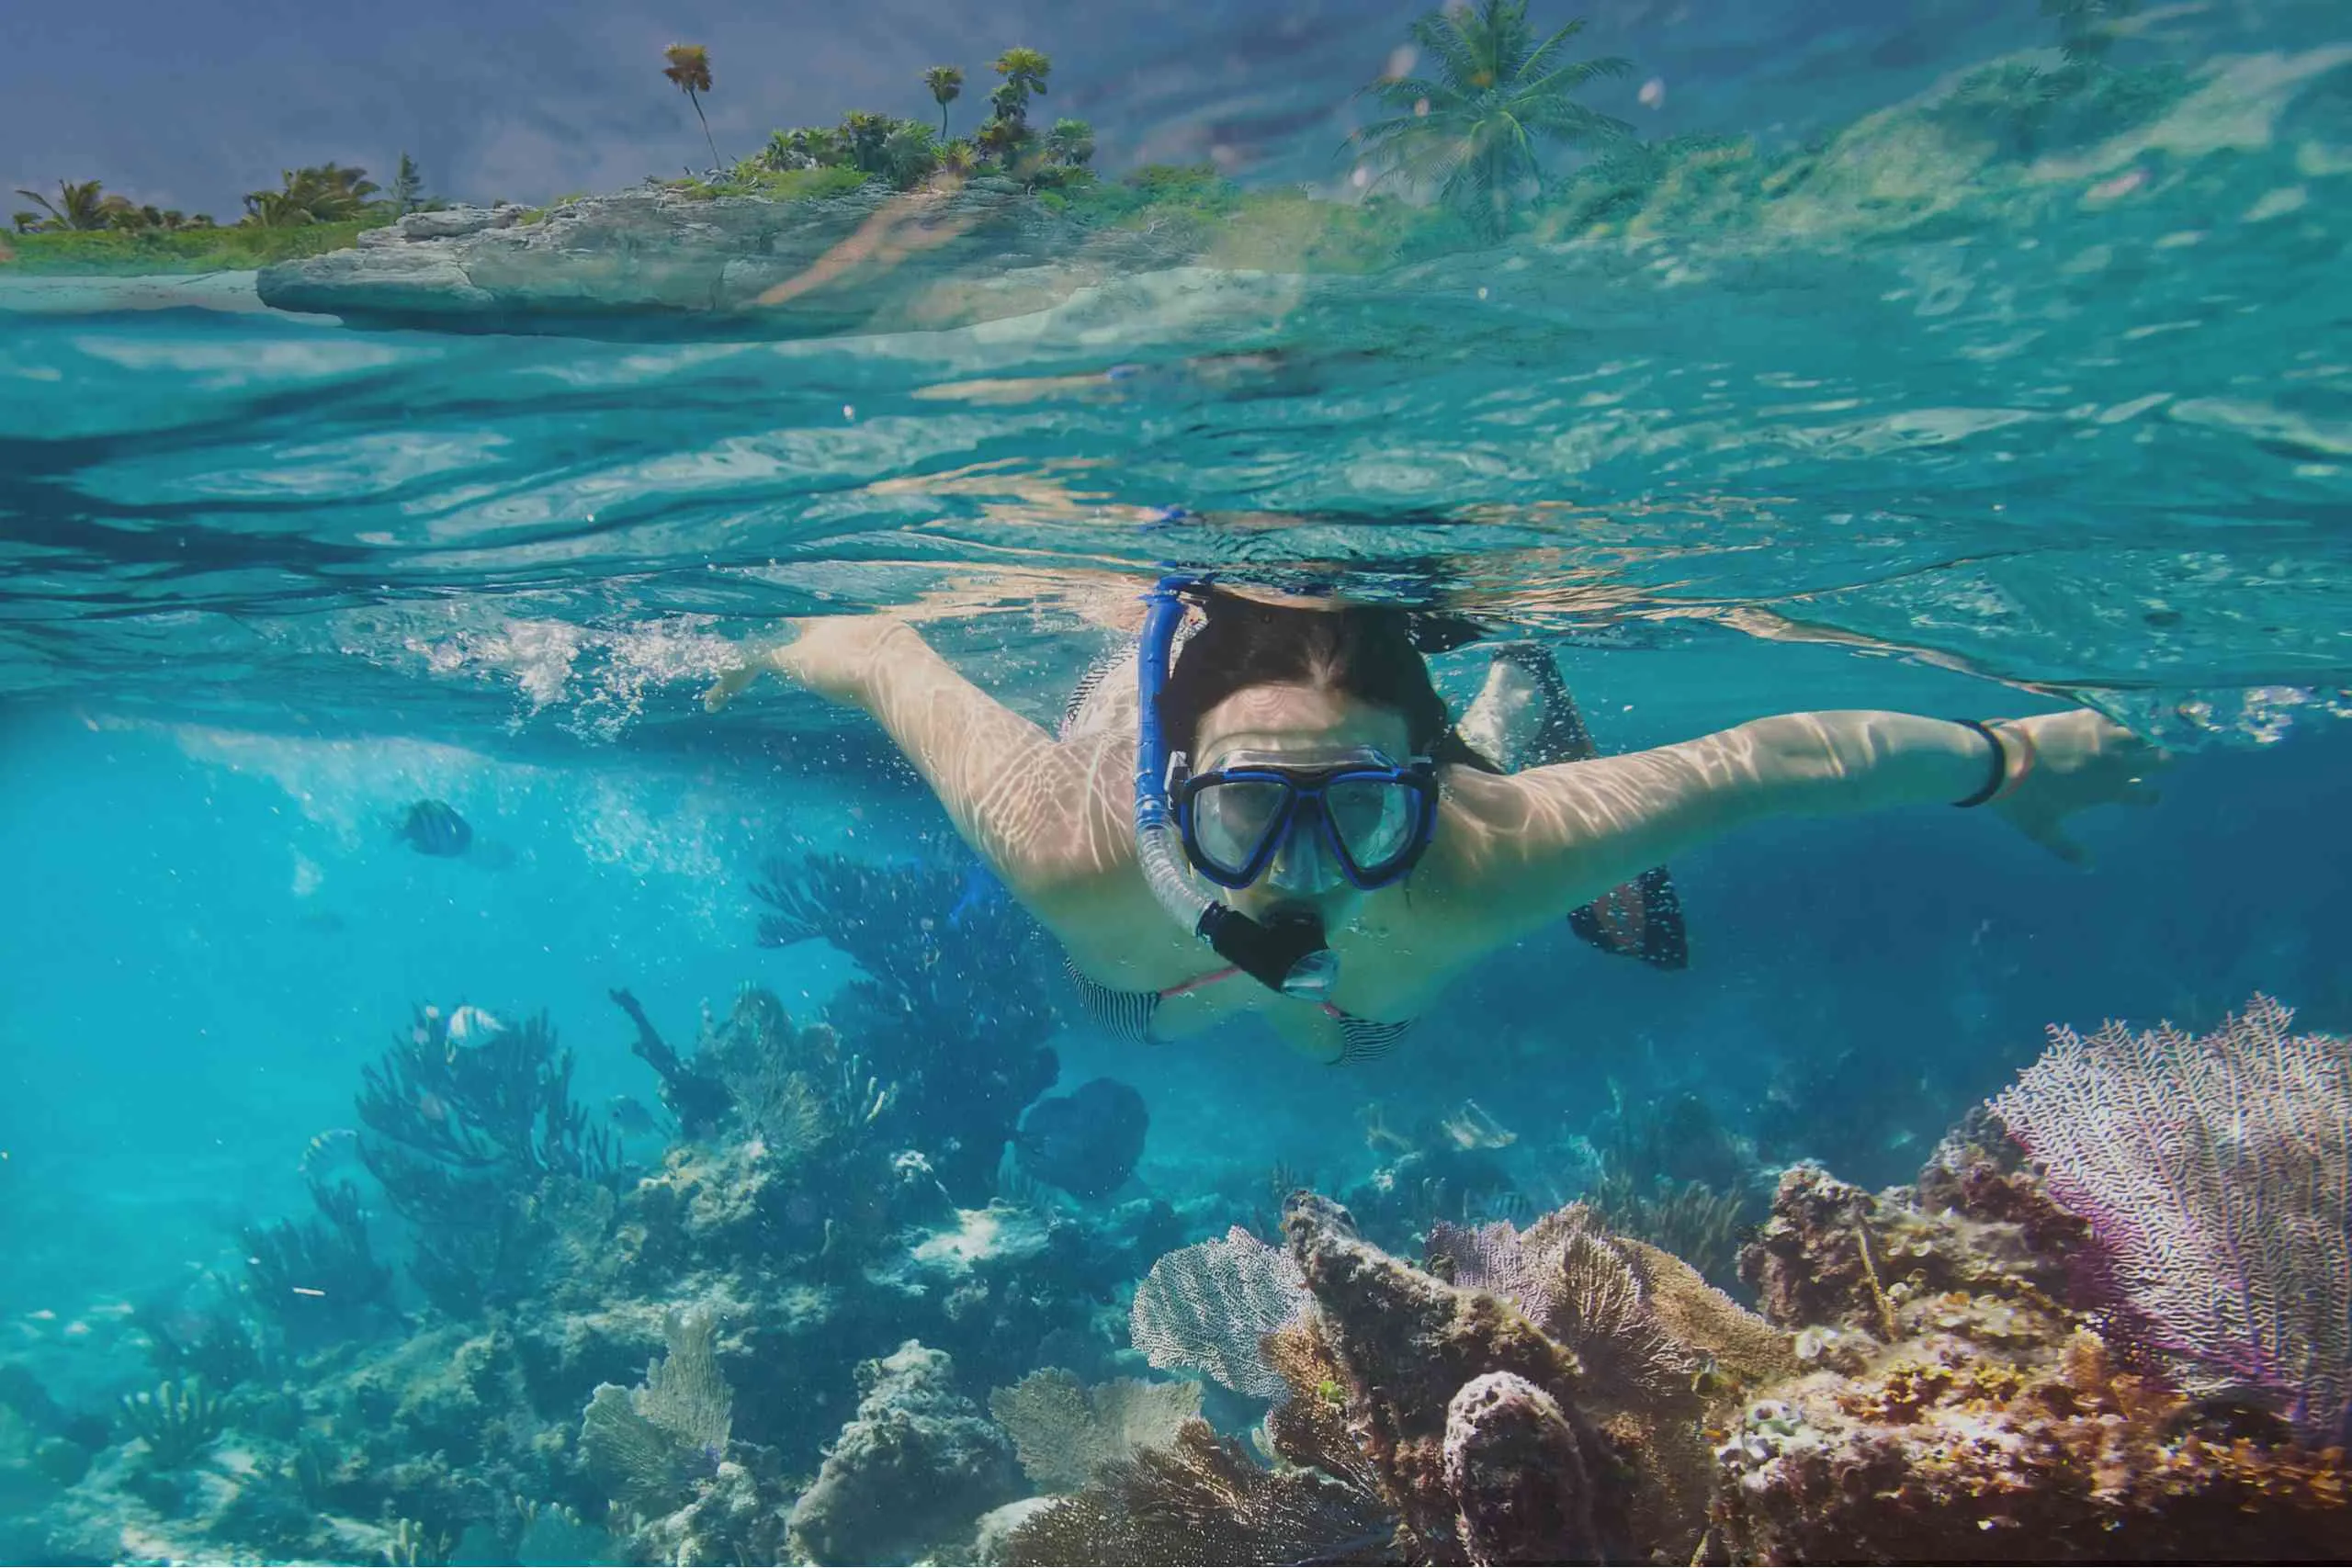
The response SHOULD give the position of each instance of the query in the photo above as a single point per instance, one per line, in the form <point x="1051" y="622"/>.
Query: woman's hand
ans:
<point x="2067" y="762"/>
<point x="833" y="655"/>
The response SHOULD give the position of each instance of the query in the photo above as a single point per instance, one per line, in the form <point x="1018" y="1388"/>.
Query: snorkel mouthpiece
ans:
<point x="1286" y="953"/>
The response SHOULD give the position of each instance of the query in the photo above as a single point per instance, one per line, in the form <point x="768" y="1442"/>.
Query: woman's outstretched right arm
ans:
<point x="1033" y="808"/>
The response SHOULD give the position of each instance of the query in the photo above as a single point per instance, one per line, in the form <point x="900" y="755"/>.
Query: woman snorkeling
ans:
<point x="1266" y="808"/>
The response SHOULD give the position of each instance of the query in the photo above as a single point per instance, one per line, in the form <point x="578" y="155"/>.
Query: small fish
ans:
<point x="1086" y="1141"/>
<point x="1471" y="1128"/>
<point x="329" y="1152"/>
<point x="630" y="1115"/>
<point x="471" y="1026"/>
<point x="433" y="828"/>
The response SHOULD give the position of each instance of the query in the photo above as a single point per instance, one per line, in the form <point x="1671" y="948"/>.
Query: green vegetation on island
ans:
<point x="1457" y="159"/>
<point x="84" y="230"/>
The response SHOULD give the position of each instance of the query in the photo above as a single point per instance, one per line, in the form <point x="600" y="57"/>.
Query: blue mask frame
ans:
<point x="1304" y="790"/>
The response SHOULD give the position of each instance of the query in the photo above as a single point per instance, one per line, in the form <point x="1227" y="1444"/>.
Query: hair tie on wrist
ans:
<point x="1994" y="785"/>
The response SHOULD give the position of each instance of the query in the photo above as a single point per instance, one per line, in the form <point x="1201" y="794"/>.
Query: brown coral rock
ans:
<point x="1996" y="1429"/>
<point x="1405" y="1342"/>
<point x="1516" y="1475"/>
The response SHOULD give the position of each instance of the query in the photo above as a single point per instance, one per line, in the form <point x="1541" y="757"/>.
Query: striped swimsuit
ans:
<point x="1127" y="1015"/>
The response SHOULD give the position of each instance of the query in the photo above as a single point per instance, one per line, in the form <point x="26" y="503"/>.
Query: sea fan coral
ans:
<point x="1066" y="1431"/>
<point x="2216" y="1171"/>
<point x="1207" y="1307"/>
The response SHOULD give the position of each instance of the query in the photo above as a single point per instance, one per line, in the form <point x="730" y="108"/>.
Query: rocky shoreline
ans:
<point x="661" y="261"/>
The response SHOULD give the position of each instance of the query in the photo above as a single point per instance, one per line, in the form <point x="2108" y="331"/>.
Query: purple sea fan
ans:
<point x="2216" y="1170"/>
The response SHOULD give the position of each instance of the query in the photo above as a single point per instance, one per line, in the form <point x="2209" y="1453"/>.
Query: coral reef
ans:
<point x="917" y="1466"/>
<point x="647" y="1446"/>
<point x="175" y="1422"/>
<point x="1932" y="1386"/>
<point x="1209" y="1306"/>
<point x="1546" y="1404"/>
<point x="2215" y="1173"/>
<point x="698" y="1366"/>
<point x="459" y="1132"/>
<point x="317" y="1280"/>
<point x="953" y="1006"/>
<point x="1065" y="1432"/>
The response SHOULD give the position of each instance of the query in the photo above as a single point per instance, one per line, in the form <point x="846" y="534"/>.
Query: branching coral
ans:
<point x="1065" y="1431"/>
<point x="318" y="1278"/>
<point x="955" y="1007"/>
<point x="458" y="1132"/>
<point x="177" y="1422"/>
<point x="444" y="1116"/>
<point x="796" y="1090"/>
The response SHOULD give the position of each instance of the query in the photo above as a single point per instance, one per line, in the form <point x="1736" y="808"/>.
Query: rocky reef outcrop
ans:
<point x="670" y="262"/>
<point x="914" y="1468"/>
<point x="1933" y="1380"/>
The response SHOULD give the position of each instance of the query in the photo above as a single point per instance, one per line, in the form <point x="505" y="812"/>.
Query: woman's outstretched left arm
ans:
<point x="1526" y="847"/>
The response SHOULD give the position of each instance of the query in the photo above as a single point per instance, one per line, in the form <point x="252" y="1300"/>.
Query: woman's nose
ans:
<point x="1303" y="864"/>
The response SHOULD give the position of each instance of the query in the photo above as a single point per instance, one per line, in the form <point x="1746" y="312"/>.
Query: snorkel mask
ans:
<point x="1359" y="815"/>
<point x="1358" y="819"/>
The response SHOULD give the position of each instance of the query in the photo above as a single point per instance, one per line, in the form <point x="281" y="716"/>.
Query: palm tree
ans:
<point x="864" y="133"/>
<point x="946" y="84"/>
<point x="804" y="147"/>
<point x="274" y="209"/>
<point x="332" y="193"/>
<point x="325" y="193"/>
<point x="1070" y="143"/>
<point x="909" y="153"/>
<point x="1472" y="130"/>
<point x="689" y="67"/>
<point x="79" y="206"/>
<point x="1025" y="70"/>
<point x="959" y="158"/>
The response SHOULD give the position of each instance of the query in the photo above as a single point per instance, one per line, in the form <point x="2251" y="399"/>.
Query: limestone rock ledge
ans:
<point x="662" y="263"/>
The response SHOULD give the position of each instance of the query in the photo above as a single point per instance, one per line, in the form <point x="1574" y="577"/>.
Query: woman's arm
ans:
<point x="1023" y="802"/>
<point x="1526" y="848"/>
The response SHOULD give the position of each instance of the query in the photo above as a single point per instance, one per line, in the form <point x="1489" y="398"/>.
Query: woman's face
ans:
<point x="1304" y="725"/>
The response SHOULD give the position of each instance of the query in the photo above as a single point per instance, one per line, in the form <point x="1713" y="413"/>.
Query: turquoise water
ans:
<point x="1951" y="437"/>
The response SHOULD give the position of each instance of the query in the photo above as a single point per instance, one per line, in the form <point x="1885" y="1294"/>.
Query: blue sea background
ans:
<point x="269" y="581"/>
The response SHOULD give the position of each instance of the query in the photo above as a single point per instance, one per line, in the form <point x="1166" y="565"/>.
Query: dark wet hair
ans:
<point x="1370" y="652"/>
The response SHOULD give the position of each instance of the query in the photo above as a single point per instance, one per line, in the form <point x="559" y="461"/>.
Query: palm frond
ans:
<point x="1540" y="61"/>
<point x="1405" y="91"/>
<point x="1440" y="33"/>
<point x="1577" y="73"/>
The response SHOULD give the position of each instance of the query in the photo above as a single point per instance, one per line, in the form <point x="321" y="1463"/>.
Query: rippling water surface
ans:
<point x="2080" y="423"/>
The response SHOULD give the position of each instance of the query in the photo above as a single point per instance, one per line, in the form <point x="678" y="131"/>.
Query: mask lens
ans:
<point x="1373" y="819"/>
<point x="1232" y="820"/>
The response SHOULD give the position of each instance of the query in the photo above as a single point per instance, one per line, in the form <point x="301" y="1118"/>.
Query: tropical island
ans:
<point x="825" y="228"/>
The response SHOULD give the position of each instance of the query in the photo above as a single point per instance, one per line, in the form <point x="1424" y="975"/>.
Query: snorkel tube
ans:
<point x="1288" y="955"/>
